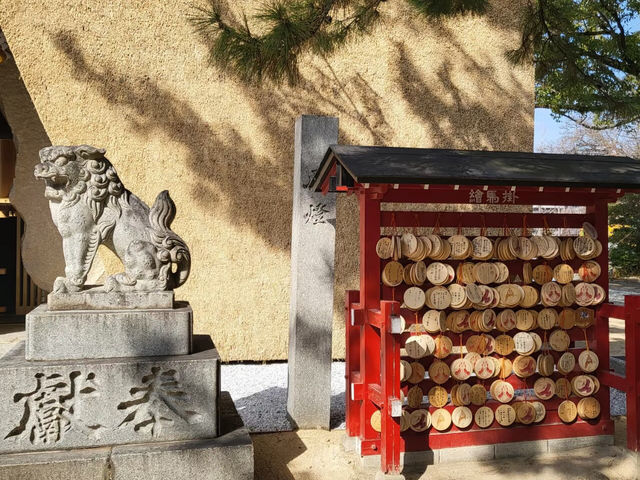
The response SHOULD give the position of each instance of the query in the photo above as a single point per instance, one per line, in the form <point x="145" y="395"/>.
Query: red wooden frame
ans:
<point x="373" y="352"/>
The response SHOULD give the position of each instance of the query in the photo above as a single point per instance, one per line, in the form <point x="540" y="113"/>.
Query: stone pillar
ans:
<point x="312" y="254"/>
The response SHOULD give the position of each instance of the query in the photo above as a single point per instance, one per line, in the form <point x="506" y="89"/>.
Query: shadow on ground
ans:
<point x="266" y="411"/>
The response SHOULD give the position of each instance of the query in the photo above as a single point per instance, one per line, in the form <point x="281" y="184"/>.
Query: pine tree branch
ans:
<point x="291" y="28"/>
<point x="586" y="62"/>
<point x="294" y="27"/>
<point x="439" y="8"/>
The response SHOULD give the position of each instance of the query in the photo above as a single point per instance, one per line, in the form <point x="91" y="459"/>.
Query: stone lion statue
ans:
<point x="90" y="206"/>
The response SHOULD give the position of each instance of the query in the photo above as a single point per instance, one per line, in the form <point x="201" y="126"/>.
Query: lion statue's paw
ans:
<point x="119" y="282"/>
<point x="64" y="285"/>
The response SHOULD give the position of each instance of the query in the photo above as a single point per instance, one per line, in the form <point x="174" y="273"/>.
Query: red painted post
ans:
<point x="601" y="213"/>
<point x="352" y="365"/>
<point x="632" y="344"/>
<point x="390" y="383"/>
<point x="369" y="260"/>
<point x="369" y="299"/>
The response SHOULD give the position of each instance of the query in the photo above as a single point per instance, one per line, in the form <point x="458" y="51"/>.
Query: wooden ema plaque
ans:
<point x="483" y="324"/>
<point x="508" y="344"/>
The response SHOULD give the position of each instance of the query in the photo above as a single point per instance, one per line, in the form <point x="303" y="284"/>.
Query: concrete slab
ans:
<point x="520" y="449"/>
<point x="65" y="335"/>
<point x="466" y="454"/>
<point x="409" y="460"/>
<point x="229" y="457"/>
<point x="90" y="463"/>
<point x="481" y="453"/>
<point x="559" y="445"/>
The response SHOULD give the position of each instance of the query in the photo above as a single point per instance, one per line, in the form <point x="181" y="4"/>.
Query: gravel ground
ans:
<point x="618" y="288"/>
<point x="618" y="403"/>
<point x="260" y="394"/>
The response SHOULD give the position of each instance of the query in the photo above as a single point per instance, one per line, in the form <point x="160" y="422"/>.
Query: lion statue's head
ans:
<point x="74" y="172"/>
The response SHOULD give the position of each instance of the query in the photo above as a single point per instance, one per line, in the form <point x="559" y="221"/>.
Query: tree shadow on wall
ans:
<point x="220" y="167"/>
<point x="223" y="167"/>
<point x="351" y="99"/>
<point x="456" y="119"/>
<point x="223" y="164"/>
<point x="251" y="189"/>
<point x="321" y="90"/>
<point x="464" y="110"/>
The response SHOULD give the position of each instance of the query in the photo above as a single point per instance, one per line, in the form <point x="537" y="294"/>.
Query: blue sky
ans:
<point x="546" y="129"/>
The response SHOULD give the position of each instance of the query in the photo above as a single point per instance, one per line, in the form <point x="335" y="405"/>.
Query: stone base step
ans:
<point x="227" y="457"/>
<point x="490" y="452"/>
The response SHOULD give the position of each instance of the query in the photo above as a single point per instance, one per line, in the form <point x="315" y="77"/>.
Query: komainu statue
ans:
<point x="90" y="207"/>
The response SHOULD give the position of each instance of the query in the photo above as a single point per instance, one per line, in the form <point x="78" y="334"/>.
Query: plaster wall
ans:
<point x="132" y="77"/>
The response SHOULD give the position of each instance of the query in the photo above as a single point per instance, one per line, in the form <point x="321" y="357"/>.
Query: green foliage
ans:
<point x="587" y="59"/>
<point x="625" y="239"/>
<point x="437" y="8"/>
<point x="290" y="28"/>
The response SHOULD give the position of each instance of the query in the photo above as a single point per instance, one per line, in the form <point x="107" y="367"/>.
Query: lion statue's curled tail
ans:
<point x="90" y="207"/>
<point x="171" y="248"/>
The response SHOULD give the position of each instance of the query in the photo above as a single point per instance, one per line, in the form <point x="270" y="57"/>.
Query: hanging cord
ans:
<point x="506" y="231"/>
<point x="586" y="339"/>
<point x="525" y="230"/>
<point x="394" y="226"/>
<point x="458" y="274"/>
<point x="483" y="230"/>
<point x="460" y="224"/>
<point x="416" y="332"/>
<point x="547" y="229"/>
<point x="461" y="355"/>
<point x="565" y="226"/>
<point x="416" y="221"/>
<point x="436" y="225"/>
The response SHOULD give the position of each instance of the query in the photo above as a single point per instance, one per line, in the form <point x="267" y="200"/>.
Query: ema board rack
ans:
<point x="482" y="314"/>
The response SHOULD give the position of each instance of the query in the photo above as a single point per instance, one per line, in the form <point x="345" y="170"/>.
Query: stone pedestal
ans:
<point x="66" y="335"/>
<point x="226" y="457"/>
<point x="89" y="403"/>
<point x="109" y="385"/>
<point x="124" y="394"/>
<point x="95" y="299"/>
